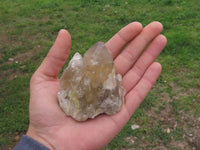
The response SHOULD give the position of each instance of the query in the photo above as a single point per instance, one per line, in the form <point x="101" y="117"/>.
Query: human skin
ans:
<point x="134" y="50"/>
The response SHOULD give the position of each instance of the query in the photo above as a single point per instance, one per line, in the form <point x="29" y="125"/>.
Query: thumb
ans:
<point x="57" y="56"/>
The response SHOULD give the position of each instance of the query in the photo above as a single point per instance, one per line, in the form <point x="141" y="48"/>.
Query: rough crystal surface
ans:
<point x="89" y="85"/>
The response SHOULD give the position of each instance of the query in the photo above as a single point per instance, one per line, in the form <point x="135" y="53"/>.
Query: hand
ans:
<point x="48" y="123"/>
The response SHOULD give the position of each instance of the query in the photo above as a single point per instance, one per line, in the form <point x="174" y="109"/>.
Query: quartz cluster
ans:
<point x="89" y="85"/>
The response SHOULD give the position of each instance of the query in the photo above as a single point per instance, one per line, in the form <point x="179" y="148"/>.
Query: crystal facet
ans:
<point x="89" y="85"/>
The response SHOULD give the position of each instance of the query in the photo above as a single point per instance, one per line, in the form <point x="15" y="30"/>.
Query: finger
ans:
<point x="119" y="40"/>
<point x="140" y="91"/>
<point x="57" y="56"/>
<point x="130" y="54"/>
<point x="131" y="78"/>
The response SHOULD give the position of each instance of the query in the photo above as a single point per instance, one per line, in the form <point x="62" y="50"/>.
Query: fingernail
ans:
<point x="62" y="30"/>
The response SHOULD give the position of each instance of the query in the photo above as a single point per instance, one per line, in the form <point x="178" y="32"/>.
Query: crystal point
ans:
<point x="89" y="85"/>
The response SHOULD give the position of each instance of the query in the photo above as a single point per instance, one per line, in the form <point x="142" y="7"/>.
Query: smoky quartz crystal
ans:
<point x="89" y="85"/>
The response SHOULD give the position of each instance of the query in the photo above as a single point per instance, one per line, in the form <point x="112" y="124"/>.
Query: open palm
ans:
<point x="134" y="50"/>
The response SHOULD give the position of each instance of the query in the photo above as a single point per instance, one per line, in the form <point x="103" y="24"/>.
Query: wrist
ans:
<point x="39" y="137"/>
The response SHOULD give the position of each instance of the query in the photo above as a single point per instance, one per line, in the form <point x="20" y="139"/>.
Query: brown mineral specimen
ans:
<point x="89" y="85"/>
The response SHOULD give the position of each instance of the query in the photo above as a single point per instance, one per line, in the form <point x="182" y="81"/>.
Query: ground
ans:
<point x="169" y="118"/>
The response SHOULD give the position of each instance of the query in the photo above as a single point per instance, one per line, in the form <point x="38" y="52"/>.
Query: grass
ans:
<point x="28" y="29"/>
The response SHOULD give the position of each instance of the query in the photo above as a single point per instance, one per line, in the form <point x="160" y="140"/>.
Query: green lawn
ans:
<point x="170" y="113"/>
